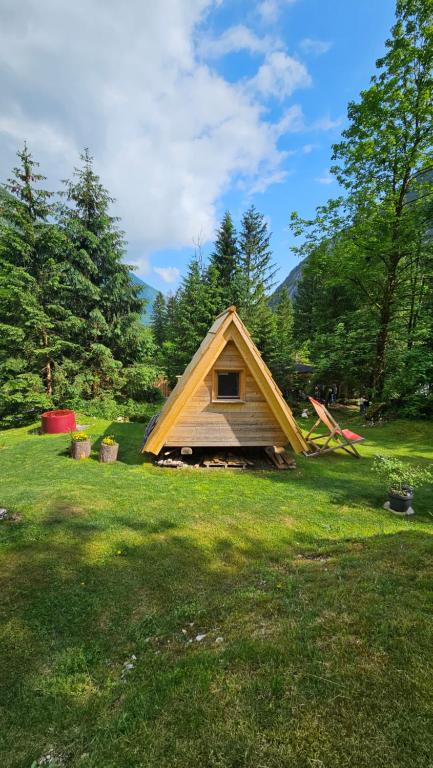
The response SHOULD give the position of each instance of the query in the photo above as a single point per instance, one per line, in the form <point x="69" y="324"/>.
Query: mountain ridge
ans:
<point x="290" y="282"/>
<point x="148" y="293"/>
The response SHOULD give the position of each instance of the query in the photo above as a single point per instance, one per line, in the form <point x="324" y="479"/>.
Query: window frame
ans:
<point x="215" y="373"/>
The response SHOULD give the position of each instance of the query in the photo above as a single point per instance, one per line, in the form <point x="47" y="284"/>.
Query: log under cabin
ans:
<point x="226" y="397"/>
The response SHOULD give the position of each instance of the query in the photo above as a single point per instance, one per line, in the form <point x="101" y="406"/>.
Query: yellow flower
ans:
<point x="79" y="436"/>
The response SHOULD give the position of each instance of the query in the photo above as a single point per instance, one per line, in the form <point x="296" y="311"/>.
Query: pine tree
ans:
<point x="225" y="263"/>
<point x="30" y="241"/>
<point x="22" y="392"/>
<point x="257" y="268"/>
<point x="159" y="319"/>
<point x="257" y="272"/>
<point x="110" y="303"/>
<point x="192" y="318"/>
<point x="99" y="244"/>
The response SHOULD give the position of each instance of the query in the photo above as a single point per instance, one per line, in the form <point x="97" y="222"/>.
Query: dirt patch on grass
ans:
<point x="316" y="557"/>
<point x="63" y="510"/>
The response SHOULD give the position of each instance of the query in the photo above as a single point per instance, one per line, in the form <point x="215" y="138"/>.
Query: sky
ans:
<point x="189" y="108"/>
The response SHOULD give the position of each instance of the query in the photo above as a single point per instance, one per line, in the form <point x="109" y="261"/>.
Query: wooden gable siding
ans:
<point x="206" y="423"/>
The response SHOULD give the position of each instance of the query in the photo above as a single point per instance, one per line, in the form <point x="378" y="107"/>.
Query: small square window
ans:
<point x="228" y="385"/>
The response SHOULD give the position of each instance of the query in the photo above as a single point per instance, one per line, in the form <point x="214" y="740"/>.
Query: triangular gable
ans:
<point x="227" y="327"/>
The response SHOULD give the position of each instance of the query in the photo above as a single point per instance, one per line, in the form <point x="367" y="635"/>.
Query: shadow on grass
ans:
<point x="130" y="436"/>
<point x="302" y="624"/>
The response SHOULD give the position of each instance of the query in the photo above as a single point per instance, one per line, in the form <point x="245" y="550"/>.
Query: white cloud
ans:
<point x="326" y="124"/>
<point x="269" y="10"/>
<point x="315" y="47"/>
<point x="280" y="75"/>
<point x="261" y="185"/>
<point x="325" y="179"/>
<point x="307" y="149"/>
<point x="168" y="274"/>
<point x="168" y="134"/>
<point x="293" y="121"/>
<point x="235" y="39"/>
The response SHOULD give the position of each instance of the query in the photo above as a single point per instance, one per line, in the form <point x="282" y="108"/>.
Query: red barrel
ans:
<point x="54" y="422"/>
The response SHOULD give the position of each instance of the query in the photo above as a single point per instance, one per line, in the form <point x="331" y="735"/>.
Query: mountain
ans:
<point x="146" y="292"/>
<point x="291" y="282"/>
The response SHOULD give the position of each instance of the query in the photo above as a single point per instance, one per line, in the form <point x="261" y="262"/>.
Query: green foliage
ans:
<point x="364" y="301"/>
<point x="159" y="319"/>
<point x="399" y="475"/>
<point x="139" y="381"/>
<point x="240" y="272"/>
<point x="283" y="354"/>
<point x="224" y="261"/>
<point x="69" y="313"/>
<point x="22" y="399"/>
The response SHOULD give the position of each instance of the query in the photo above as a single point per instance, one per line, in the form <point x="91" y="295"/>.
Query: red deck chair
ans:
<point x="344" y="437"/>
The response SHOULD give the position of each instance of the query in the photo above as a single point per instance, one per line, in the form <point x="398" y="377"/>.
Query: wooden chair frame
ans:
<point x="335" y="433"/>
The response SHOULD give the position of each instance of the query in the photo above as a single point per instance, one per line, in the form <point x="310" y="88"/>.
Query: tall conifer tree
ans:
<point x="159" y="319"/>
<point x="225" y="262"/>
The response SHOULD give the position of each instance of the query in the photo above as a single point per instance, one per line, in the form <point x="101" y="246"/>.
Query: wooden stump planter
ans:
<point x="108" y="452"/>
<point x="80" y="449"/>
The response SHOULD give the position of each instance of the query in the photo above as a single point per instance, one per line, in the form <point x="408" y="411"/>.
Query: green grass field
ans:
<point x="315" y="603"/>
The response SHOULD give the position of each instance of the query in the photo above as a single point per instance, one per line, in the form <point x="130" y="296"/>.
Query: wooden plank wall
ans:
<point x="206" y="423"/>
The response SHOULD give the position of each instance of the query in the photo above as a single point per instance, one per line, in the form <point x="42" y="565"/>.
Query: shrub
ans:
<point x="140" y="380"/>
<point x="399" y="475"/>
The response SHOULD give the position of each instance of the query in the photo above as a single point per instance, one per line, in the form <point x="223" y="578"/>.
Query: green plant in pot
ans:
<point x="401" y="478"/>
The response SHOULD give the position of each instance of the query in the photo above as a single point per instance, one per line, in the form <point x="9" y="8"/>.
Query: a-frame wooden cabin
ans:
<point x="226" y="397"/>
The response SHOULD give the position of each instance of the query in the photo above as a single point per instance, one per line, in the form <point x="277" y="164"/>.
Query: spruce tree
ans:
<point x="111" y="335"/>
<point x="192" y="317"/>
<point x="257" y="268"/>
<point x="257" y="272"/>
<point x="224" y="261"/>
<point x="30" y="241"/>
<point x="159" y="319"/>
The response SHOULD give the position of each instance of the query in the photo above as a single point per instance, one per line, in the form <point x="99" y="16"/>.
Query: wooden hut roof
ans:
<point x="227" y="327"/>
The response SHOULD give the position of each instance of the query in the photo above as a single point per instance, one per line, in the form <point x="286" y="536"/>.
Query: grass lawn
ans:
<point x="314" y="602"/>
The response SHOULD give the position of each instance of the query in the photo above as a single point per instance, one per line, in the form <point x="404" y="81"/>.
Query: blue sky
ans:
<point x="353" y="35"/>
<point x="189" y="107"/>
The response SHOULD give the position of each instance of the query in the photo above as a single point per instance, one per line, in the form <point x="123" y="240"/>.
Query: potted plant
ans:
<point x="401" y="478"/>
<point x="108" y="450"/>
<point x="80" y="445"/>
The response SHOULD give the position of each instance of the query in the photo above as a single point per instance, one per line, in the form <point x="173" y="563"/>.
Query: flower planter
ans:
<point x="399" y="503"/>
<point x="80" y="449"/>
<point x="108" y="453"/>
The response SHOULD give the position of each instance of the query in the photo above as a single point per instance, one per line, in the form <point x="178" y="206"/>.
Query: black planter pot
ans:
<point x="399" y="503"/>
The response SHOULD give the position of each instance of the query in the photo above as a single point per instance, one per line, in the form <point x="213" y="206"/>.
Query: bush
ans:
<point x="22" y="400"/>
<point x="418" y="406"/>
<point x="140" y="382"/>
<point x="400" y="475"/>
<point x="104" y="407"/>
